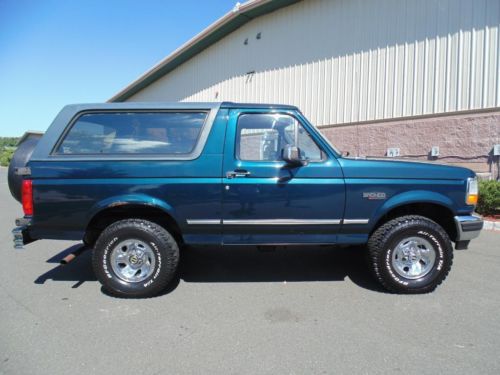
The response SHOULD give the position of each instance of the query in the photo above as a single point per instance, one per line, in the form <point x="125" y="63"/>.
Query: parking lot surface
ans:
<point x="241" y="311"/>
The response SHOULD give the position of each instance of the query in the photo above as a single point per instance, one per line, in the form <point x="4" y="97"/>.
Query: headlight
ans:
<point x="472" y="191"/>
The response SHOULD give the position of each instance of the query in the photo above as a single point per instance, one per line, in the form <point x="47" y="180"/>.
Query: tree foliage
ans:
<point x="7" y="148"/>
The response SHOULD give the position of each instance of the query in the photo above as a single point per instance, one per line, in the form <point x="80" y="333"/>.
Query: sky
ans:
<point x="55" y="52"/>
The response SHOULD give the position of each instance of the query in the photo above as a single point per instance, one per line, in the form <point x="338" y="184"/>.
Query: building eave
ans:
<point x="212" y="34"/>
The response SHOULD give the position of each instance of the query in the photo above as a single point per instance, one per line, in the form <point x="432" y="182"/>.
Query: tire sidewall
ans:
<point x="107" y="243"/>
<point x="439" y="245"/>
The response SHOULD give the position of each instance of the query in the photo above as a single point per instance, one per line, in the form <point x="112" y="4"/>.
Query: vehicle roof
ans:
<point x="174" y="105"/>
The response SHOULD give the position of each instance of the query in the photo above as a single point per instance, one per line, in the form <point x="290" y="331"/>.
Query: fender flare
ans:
<point x="410" y="197"/>
<point x="129" y="200"/>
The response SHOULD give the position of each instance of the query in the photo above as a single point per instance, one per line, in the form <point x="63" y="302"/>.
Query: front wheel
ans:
<point x="410" y="254"/>
<point x="135" y="258"/>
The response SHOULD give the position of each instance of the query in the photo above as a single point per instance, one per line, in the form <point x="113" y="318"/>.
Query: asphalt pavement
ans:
<point x="241" y="311"/>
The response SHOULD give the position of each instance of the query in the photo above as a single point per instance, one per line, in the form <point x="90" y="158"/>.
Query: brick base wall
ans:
<point x="464" y="139"/>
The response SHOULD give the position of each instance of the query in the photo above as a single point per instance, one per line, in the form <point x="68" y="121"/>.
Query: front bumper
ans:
<point x="468" y="227"/>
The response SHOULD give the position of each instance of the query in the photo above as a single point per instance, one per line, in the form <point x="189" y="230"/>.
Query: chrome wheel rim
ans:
<point x="413" y="258"/>
<point x="133" y="260"/>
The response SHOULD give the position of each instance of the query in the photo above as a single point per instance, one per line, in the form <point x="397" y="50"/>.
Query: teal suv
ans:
<point x="136" y="182"/>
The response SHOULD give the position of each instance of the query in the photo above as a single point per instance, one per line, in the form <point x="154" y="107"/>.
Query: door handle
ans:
<point x="237" y="173"/>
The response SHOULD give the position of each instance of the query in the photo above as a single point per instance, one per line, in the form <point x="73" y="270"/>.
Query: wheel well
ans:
<point x="110" y="215"/>
<point x="436" y="212"/>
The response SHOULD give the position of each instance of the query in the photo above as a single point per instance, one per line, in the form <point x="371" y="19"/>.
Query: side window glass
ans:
<point x="166" y="133"/>
<point x="262" y="137"/>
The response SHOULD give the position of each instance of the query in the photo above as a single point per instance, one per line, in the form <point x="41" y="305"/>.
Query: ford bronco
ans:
<point x="137" y="181"/>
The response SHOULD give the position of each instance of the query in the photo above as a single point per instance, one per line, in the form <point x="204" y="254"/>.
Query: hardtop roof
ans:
<point x="174" y="106"/>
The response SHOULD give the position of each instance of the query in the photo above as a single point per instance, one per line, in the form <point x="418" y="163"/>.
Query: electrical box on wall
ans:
<point x="496" y="150"/>
<point x="435" y="151"/>
<point x="393" y="152"/>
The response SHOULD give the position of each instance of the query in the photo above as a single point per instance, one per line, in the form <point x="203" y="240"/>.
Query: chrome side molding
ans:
<point x="356" y="221"/>
<point x="283" y="222"/>
<point x="277" y="222"/>
<point x="205" y="222"/>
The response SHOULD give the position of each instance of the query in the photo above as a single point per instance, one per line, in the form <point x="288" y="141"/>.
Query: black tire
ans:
<point x="163" y="250"/>
<point x="382" y="246"/>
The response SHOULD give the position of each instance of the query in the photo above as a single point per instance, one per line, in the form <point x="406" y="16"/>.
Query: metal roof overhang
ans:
<point x="212" y="34"/>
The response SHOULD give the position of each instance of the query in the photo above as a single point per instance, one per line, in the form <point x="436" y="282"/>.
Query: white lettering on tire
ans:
<point x="105" y="257"/>
<point x="158" y="267"/>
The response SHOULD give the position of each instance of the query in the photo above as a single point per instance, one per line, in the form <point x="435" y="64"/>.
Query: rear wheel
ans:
<point x="135" y="258"/>
<point x="410" y="254"/>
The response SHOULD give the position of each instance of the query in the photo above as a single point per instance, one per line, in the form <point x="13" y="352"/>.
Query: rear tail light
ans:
<point x="472" y="191"/>
<point x="27" y="197"/>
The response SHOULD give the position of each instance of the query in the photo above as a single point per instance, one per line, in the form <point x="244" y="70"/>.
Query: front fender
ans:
<point x="409" y="197"/>
<point x="131" y="199"/>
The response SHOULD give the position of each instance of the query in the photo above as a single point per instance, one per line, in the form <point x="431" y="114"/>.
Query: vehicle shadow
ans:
<point x="78" y="271"/>
<point x="290" y="264"/>
<point x="242" y="264"/>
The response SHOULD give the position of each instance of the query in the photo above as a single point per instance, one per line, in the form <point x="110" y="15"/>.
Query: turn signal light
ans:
<point x="472" y="199"/>
<point x="472" y="191"/>
<point x="27" y="197"/>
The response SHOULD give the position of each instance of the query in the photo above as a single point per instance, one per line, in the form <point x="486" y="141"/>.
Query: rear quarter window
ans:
<point x="146" y="133"/>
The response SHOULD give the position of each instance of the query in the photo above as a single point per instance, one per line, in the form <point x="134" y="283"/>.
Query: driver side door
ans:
<point x="267" y="201"/>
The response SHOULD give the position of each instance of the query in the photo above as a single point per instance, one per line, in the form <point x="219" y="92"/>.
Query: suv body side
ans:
<point x="336" y="200"/>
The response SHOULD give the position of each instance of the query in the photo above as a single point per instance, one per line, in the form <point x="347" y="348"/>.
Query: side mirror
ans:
<point x="293" y="156"/>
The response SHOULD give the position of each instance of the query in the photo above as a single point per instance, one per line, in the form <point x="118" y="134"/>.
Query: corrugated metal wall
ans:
<point x="345" y="61"/>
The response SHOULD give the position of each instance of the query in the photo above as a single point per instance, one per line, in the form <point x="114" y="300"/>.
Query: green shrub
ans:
<point x="489" y="197"/>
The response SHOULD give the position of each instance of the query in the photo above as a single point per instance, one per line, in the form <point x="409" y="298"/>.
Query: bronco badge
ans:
<point x="374" y="195"/>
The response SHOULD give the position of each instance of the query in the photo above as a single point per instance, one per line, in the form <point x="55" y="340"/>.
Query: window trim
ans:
<point x="236" y="155"/>
<point x="194" y="154"/>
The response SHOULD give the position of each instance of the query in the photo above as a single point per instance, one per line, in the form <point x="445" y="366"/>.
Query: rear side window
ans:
<point x="170" y="133"/>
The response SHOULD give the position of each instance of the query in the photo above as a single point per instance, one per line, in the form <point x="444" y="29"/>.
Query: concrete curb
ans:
<point x="491" y="225"/>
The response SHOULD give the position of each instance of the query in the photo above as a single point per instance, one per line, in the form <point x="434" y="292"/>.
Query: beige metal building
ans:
<point x="373" y="75"/>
